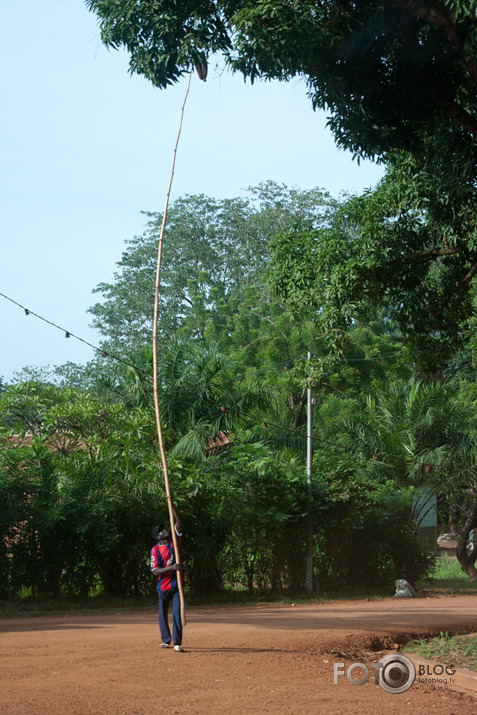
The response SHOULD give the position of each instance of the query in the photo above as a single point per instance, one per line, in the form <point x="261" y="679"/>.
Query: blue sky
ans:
<point x="86" y="147"/>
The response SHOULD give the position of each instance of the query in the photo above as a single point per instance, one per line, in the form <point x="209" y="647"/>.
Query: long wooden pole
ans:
<point x="157" y="410"/>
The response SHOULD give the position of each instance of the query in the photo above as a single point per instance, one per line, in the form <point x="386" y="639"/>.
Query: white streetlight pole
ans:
<point x="309" y="467"/>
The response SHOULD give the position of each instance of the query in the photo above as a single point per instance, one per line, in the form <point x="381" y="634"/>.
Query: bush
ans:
<point x="369" y="541"/>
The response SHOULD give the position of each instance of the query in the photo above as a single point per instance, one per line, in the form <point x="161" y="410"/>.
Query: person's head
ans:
<point x="161" y="533"/>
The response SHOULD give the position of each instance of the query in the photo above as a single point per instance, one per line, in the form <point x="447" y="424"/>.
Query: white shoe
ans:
<point x="164" y="645"/>
<point x="178" y="648"/>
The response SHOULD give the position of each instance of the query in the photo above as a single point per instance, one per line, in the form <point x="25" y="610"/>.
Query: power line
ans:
<point x="251" y="371"/>
<point x="68" y="333"/>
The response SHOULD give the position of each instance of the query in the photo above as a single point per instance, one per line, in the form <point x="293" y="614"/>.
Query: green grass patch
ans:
<point x="449" y="569"/>
<point x="447" y="577"/>
<point x="459" y="651"/>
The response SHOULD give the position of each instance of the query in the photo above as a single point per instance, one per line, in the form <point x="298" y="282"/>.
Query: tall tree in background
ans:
<point x="399" y="80"/>
<point x="407" y="248"/>
<point x="213" y="251"/>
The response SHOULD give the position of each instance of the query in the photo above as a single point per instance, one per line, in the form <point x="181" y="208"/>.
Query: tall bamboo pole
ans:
<point x="157" y="410"/>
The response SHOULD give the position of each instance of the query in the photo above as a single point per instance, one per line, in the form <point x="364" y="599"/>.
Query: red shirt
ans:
<point x="162" y="555"/>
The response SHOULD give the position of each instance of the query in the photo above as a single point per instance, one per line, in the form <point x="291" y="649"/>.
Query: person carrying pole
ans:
<point x="165" y="564"/>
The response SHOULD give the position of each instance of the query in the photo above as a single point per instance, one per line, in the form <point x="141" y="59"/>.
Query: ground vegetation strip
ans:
<point x="460" y="651"/>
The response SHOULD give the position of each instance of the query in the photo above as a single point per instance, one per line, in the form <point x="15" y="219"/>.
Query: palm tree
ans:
<point x="205" y="398"/>
<point x="418" y="435"/>
<point x="203" y="394"/>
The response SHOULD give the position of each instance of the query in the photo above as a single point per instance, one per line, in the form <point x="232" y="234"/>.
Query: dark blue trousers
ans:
<point x="165" y="597"/>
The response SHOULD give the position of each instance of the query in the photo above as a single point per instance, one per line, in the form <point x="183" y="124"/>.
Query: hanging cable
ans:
<point x="69" y="334"/>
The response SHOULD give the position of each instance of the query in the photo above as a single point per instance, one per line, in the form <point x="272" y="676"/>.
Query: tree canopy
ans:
<point x="390" y="73"/>
<point x="215" y="253"/>
<point x="407" y="247"/>
<point x="399" y="80"/>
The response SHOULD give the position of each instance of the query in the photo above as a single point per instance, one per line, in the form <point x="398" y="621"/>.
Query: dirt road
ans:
<point x="261" y="659"/>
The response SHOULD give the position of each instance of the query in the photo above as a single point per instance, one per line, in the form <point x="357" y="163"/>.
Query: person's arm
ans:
<point x="159" y="570"/>
<point x="177" y="519"/>
<point x="165" y="569"/>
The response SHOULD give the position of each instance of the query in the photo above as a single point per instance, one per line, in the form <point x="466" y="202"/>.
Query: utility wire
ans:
<point x="68" y="333"/>
<point x="107" y="353"/>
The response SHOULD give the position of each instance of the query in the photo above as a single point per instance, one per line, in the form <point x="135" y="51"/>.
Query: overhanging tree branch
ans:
<point x="454" y="110"/>
<point x="424" y="256"/>
<point x="441" y="18"/>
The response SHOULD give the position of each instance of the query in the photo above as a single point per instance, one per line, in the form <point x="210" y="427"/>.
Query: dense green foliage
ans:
<point x="407" y="248"/>
<point x="399" y="80"/>
<point x="215" y="253"/>
<point x="80" y="475"/>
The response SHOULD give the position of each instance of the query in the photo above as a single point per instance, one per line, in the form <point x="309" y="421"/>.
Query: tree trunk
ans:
<point x="466" y="559"/>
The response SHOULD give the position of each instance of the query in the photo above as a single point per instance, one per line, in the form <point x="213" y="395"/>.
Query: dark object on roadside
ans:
<point x="404" y="589"/>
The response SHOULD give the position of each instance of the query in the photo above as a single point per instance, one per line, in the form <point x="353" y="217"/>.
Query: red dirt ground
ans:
<point x="254" y="659"/>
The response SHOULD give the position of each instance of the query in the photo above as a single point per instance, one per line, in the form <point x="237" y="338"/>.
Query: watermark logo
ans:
<point x="394" y="673"/>
<point x="436" y="673"/>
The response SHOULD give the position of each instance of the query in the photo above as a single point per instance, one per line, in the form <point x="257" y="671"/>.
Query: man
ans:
<point x="164" y="565"/>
